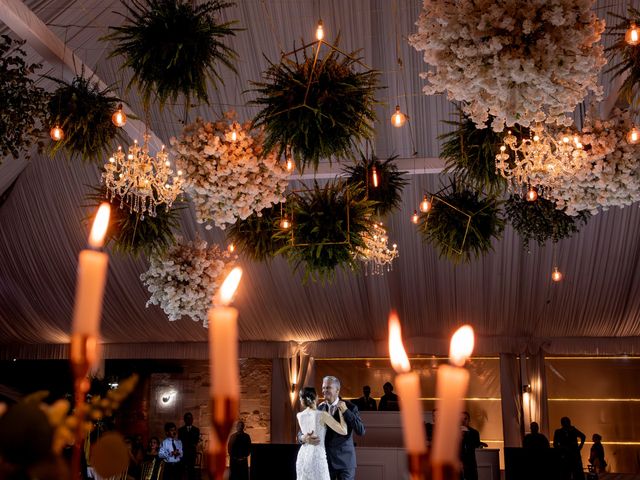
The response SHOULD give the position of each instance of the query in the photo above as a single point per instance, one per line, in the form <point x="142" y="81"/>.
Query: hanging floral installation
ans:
<point x="625" y="54"/>
<point x="383" y="182"/>
<point x="256" y="236"/>
<point x="174" y="47"/>
<point x="183" y="280"/>
<point x="316" y="107"/>
<point x="84" y="112"/>
<point x="23" y="102"/>
<point x="521" y="61"/>
<point x="228" y="175"/>
<point x="461" y="223"/>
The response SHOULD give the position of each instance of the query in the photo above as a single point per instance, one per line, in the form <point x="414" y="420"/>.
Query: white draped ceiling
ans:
<point x="508" y="296"/>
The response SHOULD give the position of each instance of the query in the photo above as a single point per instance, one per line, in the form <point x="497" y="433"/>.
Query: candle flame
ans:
<point x="229" y="286"/>
<point x="99" y="228"/>
<point x="399" y="360"/>
<point x="461" y="345"/>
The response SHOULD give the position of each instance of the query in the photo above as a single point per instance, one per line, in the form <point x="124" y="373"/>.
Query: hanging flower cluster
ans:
<point x="608" y="176"/>
<point x="520" y="61"/>
<point x="226" y="173"/>
<point x="184" y="279"/>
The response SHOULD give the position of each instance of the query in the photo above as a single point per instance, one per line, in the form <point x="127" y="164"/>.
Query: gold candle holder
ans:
<point x="224" y="411"/>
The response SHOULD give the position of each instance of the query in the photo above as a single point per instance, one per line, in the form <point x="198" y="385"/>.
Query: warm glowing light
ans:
<point x="399" y="359"/>
<point x="234" y="136"/>
<point x="119" y="118"/>
<point x="56" y="133"/>
<point x="556" y="276"/>
<point x="285" y="223"/>
<point x="374" y="177"/>
<point x="632" y="37"/>
<point x="320" y="30"/>
<point x="633" y="136"/>
<point x="398" y="119"/>
<point x="229" y="286"/>
<point x="532" y="194"/>
<point x="290" y="164"/>
<point x="415" y="217"/>
<point x="99" y="228"/>
<point x="231" y="248"/>
<point x="461" y="345"/>
<point x="425" y="205"/>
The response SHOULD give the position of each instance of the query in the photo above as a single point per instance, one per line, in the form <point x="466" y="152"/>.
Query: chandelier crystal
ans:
<point x="140" y="181"/>
<point x="376" y="254"/>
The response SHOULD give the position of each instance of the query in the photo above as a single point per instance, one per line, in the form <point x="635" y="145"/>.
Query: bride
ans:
<point x="312" y="459"/>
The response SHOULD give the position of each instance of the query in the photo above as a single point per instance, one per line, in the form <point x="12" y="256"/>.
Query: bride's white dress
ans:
<point x="312" y="459"/>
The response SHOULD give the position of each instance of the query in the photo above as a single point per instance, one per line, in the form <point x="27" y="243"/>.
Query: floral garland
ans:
<point x="520" y="61"/>
<point x="226" y="173"/>
<point x="608" y="176"/>
<point x="184" y="280"/>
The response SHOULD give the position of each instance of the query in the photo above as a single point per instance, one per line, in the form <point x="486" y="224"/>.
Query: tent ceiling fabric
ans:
<point x="508" y="296"/>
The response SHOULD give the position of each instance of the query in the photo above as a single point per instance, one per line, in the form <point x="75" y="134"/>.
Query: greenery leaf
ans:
<point x="255" y="236"/>
<point x="624" y="59"/>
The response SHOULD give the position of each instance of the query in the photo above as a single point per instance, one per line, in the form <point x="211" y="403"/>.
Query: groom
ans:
<point x="341" y="453"/>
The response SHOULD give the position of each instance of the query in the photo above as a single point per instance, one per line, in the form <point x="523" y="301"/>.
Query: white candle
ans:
<point x="407" y="385"/>
<point x="451" y="388"/>
<point x="91" y="280"/>
<point x="223" y="341"/>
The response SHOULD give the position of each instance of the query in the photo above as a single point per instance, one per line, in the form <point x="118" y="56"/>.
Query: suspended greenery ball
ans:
<point x="84" y="113"/>
<point x="174" y="47"/>
<point x="317" y="109"/>
<point x="23" y="102"/>
<point x="461" y="223"/>
<point x="255" y="236"/>
<point x="132" y="235"/>
<point x="328" y="225"/>
<point x="541" y="220"/>
<point x="624" y="59"/>
<point x="388" y="193"/>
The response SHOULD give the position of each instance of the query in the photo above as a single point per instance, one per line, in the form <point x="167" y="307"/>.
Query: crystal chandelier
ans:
<point x="140" y="181"/>
<point x="538" y="157"/>
<point x="376" y="254"/>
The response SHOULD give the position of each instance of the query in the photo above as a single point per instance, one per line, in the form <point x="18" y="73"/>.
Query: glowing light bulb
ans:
<point x="119" y="118"/>
<point x="290" y="164"/>
<point x="425" y="205"/>
<point x="285" y="224"/>
<point x="632" y="36"/>
<point x="415" y="217"/>
<point x="398" y="119"/>
<point x="231" y="247"/>
<point x="633" y="136"/>
<point x="56" y="133"/>
<point x="532" y="194"/>
<point x="234" y="136"/>
<point x="374" y="177"/>
<point x="320" y="30"/>
<point x="556" y="276"/>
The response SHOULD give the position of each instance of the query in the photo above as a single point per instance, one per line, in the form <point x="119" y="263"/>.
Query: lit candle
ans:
<point x="223" y="341"/>
<point x="407" y="384"/>
<point x="92" y="277"/>
<point x="451" y="388"/>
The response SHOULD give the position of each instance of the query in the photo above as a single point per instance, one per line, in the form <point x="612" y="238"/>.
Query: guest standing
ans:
<point x="388" y="401"/>
<point x="171" y="452"/>
<point x="366" y="403"/>
<point x="189" y="435"/>
<point x="239" y="449"/>
<point x="596" y="455"/>
<point x="469" y="442"/>
<point x="569" y="441"/>
<point x="153" y="466"/>
<point x="535" y="439"/>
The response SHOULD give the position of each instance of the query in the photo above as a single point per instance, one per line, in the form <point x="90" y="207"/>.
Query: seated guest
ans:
<point x="153" y="465"/>
<point x="366" y="403"/>
<point x="535" y="439"/>
<point x="388" y="401"/>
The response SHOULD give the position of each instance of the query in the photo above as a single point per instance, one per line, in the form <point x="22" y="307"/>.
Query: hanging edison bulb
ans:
<point x="633" y="136"/>
<point x="231" y="248"/>
<point x="532" y="194"/>
<point x="234" y="135"/>
<point x="374" y="177"/>
<point x="290" y="164"/>
<point x="320" y="31"/>
<point x="632" y="37"/>
<point x="398" y="119"/>
<point x="56" y="133"/>
<point x="285" y="224"/>
<point x="119" y="118"/>
<point x="425" y="205"/>
<point x="556" y="276"/>
<point x="415" y="217"/>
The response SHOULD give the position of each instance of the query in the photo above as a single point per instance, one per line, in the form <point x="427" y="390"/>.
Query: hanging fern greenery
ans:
<point x="317" y="109"/>
<point x="461" y="223"/>
<point x="388" y="194"/>
<point x="329" y="222"/>
<point x="627" y="56"/>
<point x="84" y="113"/>
<point x="255" y="236"/>
<point x="131" y="235"/>
<point x="174" y="47"/>
<point x="541" y="220"/>
<point x="23" y="102"/>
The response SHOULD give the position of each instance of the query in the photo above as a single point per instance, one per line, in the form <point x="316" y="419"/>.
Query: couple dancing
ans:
<point x="327" y="453"/>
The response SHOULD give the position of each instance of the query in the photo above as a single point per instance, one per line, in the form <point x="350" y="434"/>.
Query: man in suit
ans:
<point x="341" y="452"/>
<point x="190" y="437"/>
<point x="366" y="403"/>
<point x="469" y="442"/>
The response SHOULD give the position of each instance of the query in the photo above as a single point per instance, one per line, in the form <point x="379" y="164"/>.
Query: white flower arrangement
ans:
<point x="607" y="176"/>
<point x="226" y="174"/>
<point x="184" y="279"/>
<point x="521" y="61"/>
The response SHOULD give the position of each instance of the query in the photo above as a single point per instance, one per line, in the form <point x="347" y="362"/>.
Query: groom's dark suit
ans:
<point x="341" y="452"/>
